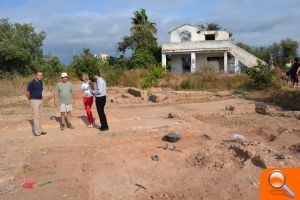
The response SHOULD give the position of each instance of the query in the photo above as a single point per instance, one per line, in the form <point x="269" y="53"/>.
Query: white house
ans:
<point x="104" y="56"/>
<point x="194" y="49"/>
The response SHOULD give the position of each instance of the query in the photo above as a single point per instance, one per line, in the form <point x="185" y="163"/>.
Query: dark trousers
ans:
<point x="100" y="104"/>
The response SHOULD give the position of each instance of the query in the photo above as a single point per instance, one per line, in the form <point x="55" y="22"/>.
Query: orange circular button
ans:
<point x="277" y="179"/>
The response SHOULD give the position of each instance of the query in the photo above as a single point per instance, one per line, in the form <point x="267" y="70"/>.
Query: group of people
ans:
<point x="64" y="98"/>
<point x="292" y="70"/>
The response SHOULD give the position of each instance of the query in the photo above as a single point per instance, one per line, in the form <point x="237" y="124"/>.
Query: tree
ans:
<point x="20" y="47"/>
<point x="213" y="27"/>
<point x="140" y="23"/>
<point x="85" y="63"/>
<point x="52" y="67"/>
<point x="281" y="52"/>
<point x="142" y="40"/>
<point x="142" y="58"/>
<point x="289" y="49"/>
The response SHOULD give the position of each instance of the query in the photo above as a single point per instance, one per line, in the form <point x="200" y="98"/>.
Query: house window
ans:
<point x="210" y="37"/>
<point x="185" y="36"/>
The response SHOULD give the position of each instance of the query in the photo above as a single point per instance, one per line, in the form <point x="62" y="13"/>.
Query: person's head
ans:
<point x="85" y="77"/>
<point x="296" y="60"/>
<point x="64" y="77"/>
<point x="96" y="75"/>
<point x="39" y="75"/>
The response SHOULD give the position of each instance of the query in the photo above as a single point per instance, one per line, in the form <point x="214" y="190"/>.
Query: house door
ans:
<point x="186" y="63"/>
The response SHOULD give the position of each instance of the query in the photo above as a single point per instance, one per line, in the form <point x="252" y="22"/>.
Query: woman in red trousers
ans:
<point x="88" y="98"/>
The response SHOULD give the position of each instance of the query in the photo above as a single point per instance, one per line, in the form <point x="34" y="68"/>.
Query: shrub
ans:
<point x="142" y="58"/>
<point x="261" y="76"/>
<point x="112" y="75"/>
<point x="52" y="69"/>
<point x="85" y="63"/>
<point x="155" y="74"/>
<point x="202" y="81"/>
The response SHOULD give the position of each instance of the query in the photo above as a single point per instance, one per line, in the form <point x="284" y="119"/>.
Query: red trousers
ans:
<point x="88" y="102"/>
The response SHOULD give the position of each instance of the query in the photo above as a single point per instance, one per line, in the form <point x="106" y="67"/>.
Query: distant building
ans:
<point x="193" y="48"/>
<point x="104" y="56"/>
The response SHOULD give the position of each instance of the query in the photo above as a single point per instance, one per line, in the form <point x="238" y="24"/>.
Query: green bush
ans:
<point x="154" y="75"/>
<point x="52" y="69"/>
<point x="261" y="76"/>
<point x="85" y="63"/>
<point x="142" y="58"/>
<point x="112" y="75"/>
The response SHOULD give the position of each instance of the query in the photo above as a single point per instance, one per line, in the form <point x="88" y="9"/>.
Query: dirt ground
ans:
<point x="207" y="163"/>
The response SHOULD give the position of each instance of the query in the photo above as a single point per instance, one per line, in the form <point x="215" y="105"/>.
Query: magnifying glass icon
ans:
<point x="277" y="180"/>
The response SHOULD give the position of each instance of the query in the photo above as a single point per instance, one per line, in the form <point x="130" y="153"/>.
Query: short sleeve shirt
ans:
<point x="64" y="91"/>
<point x="35" y="89"/>
<point x="295" y="67"/>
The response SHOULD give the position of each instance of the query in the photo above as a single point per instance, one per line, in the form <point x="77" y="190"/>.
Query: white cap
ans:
<point x="64" y="74"/>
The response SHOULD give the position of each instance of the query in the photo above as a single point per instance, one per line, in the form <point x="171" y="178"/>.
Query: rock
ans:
<point x="199" y="159"/>
<point x="259" y="162"/>
<point x="262" y="108"/>
<point x="230" y="108"/>
<point x="205" y="136"/>
<point x="241" y="153"/>
<point x="125" y="96"/>
<point x="155" y="98"/>
<point x="238" y="138"/>
<point x="134" y="92"/>
<point x="280" y="156"/>
<point x="172" y="115"/>
<point x="171" y="137"/>
<point x="155" y="157"/>
<point x="243" y="108"/>
<point x="295" y="147"/>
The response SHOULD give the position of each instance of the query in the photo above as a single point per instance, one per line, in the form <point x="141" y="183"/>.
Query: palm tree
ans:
<point x="140" y="23"/>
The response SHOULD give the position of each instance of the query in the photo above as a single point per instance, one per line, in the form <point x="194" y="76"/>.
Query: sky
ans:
<point x="72" y="25"/>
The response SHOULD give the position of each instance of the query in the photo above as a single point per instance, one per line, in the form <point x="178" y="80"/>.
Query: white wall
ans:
<point x="175" y="35"/>
<point x="220" y="35"/>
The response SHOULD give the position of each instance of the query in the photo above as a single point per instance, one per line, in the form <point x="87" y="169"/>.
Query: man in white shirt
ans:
<point x="100" y="96"/>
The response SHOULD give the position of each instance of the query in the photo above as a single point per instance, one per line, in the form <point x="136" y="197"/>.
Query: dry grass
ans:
<point x="203" y="81"/>
<point x="16" y="85"/>
<point x="13" y="85"/>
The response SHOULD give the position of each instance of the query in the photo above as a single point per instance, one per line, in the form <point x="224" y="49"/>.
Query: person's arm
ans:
<point x="73" y="93"/>
<point x="92" y="85"/>
<point x="73" y="96"/>
<point x="55" y="96"/>
<point x="97" y="90"/>
<point x="27" y="93"/>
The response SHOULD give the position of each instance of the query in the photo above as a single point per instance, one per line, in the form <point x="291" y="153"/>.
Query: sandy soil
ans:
<point x="86" y="164"/>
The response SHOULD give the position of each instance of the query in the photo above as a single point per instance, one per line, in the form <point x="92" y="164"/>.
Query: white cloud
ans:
<point x="68" y="26"/>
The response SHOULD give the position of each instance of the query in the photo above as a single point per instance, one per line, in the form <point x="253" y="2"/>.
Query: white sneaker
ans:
<point x="90" y="126"/>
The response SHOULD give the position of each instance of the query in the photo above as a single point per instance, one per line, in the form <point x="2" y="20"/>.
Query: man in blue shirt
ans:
<point x="34" y="94"/>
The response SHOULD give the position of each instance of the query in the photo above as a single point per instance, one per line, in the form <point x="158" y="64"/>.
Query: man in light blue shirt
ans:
<point x="100" y="96"/>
